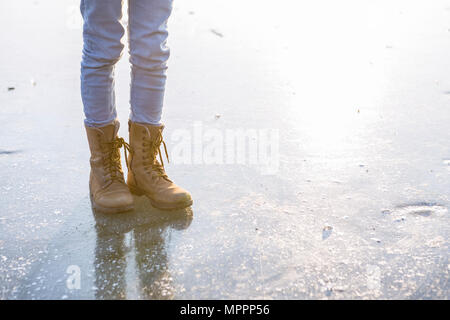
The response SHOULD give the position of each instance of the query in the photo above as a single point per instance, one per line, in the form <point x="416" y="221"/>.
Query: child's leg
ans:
<point x="148" y="56"/>
<point x="102" y="34"/>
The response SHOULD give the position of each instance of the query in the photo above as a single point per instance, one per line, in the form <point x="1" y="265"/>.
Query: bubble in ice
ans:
<point x="423" y="209"/>
<point x="326" y="232"/>
<point x="436" y="242"/>
<point x="446" y="162"/>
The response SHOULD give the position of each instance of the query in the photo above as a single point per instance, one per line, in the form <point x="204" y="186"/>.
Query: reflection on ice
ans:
<point x="140" y="235"/>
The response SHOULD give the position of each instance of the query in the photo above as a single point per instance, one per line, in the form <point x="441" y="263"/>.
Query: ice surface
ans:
<point x="357" y="206"/>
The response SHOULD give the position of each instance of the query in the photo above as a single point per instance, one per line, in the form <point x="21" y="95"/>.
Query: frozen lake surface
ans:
<point x="355" y="204"/>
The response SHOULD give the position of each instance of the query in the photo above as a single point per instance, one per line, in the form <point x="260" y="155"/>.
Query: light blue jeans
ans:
<point x="103" y="46"/>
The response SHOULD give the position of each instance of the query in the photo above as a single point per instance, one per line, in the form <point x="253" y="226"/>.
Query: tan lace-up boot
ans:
<point x="108" y="191"/>
<point x="146" y="174"/>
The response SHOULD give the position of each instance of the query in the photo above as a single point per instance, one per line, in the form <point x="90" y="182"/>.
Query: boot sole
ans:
<point x="161" y="205"/>
<point x="106" y="210"/>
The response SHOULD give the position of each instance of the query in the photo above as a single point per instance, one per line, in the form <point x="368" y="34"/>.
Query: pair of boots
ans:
<point x="146" y="175"/>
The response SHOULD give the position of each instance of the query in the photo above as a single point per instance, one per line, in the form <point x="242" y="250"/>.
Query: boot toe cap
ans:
<point x="180" y="195"/>
<point x="175" y="198"/>
<point x="115" y="200"/>
<point x="183" y="198"/>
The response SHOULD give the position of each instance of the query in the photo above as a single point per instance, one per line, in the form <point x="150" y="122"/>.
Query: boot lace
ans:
<point x="111" y="160"/>
<point x="152" y="147"/>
